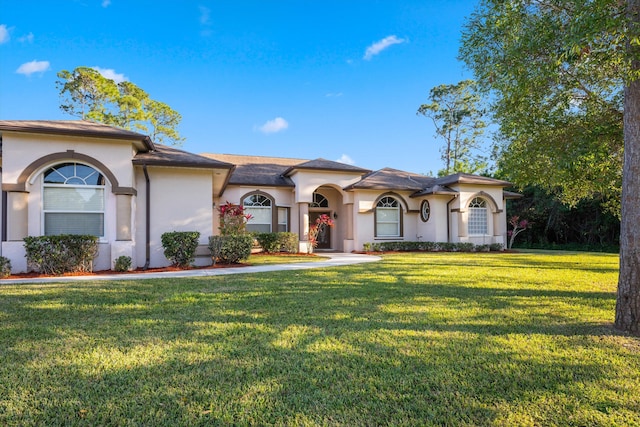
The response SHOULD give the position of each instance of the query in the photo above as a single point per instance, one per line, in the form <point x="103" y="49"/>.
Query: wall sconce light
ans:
<point x="335" y="215"/>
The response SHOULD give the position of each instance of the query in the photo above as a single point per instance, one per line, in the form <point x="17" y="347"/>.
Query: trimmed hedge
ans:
<point x="278" y="242"/>
<point x="5" y="267"/>
<point x="429" y="247"/>
<point x="65" y="253"/>
<point x="230" y="249"/>
<point x="180" y="247"/>
<point x="289" y="242"/>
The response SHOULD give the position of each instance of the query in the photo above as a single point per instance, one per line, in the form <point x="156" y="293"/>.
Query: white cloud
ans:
<point x="26" y="39"/>
<point x="106" y="3"/>
<point x="4" y="34"/>
<point x="272" y="126"/>
<point x="381" y="45"/>
<point x="346" y="160"/>
<point x="29" y="68"/>
<point x="205" y="15"/>
<point x="110" y="73"/>
<point x="333" y="94"/>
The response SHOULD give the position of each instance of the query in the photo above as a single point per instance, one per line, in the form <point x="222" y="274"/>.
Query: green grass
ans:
<point x="417" y="339"/>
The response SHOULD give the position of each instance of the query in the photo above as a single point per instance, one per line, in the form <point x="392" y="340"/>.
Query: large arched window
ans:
<point x="478" y="216"/>
<point x="73" y="200"/>
<point x="388" y="217"/>
<point x="259" y="207"/>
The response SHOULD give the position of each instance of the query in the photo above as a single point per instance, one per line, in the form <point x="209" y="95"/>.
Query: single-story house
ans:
<point x="81" y="177"/>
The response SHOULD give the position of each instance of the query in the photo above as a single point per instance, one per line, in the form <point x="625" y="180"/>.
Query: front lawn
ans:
<point x="417" y="339"/>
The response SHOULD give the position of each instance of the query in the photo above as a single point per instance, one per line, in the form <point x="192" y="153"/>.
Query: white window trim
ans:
<point x="102" y="238"/>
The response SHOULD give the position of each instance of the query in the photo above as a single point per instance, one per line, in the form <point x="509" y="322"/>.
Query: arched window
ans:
<point x="388" y="217"/>
<point x="259" y="207"/>
<point x="478" y="216"/>
<point x="73" y="200"/>
<point x="319" y="201"/>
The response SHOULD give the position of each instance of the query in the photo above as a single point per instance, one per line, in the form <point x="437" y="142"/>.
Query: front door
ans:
<point x="324" y="237"/>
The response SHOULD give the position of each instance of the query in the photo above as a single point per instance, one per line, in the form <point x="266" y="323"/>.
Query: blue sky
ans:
<point x="340" y="80"/>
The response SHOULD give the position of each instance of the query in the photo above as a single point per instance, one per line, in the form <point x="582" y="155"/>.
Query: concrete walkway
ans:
<point x="335" y="259"/>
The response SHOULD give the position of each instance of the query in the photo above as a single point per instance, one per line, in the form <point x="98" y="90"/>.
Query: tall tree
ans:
<point x="557" y="72"/>
<point x="457" y="117"/>
<point x="85" y="93"/>
<point x="628" y="299"/>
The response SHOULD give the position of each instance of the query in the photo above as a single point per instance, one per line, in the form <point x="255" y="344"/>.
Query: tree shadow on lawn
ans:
<point x="315" y="346"/>
<point x="262" y="373"/>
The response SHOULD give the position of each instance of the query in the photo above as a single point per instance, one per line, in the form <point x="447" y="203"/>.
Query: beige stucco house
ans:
<point x="88" y="178"/>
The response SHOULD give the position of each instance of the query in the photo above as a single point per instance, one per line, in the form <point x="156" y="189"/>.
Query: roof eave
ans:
<point x="147" y="142"/>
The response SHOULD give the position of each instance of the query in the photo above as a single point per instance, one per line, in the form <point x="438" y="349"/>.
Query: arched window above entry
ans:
<point x="319" y="201"/>
<point x="73" y="200"/>
<point x="478" y="216"/>
<point x="388" y="215"/>
<point x="260" y="208"/>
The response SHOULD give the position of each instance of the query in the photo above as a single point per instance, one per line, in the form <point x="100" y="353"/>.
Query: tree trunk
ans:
<point x="628" y="300"/>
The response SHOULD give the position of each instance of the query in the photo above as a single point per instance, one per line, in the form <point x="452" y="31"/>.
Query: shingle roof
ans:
<point x="465" y="178"/>
<point x="258" y="170"/>
<point x="392" y="179"/>
<point x="163" y="155"/>
<point x="326" y="165"/>
<point x="434" y="189"/>
<point x="74" y="128"/>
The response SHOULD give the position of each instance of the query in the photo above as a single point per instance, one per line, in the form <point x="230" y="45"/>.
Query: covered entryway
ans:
<point x="327" y="201"/>
<point x="324" y="236"/>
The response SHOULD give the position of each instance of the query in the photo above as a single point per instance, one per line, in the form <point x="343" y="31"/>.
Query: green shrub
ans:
<point x="122" y="263"/>
<point x="446" y="246"/>
<point x="61" y="254"/>
<point x="288" y="242"/>
<point x="466" y="246"/>
<point x="277" y="242"/>
<point x="180" y="247"/>
<point x="496" y="247"/>
<point x="5" y="267"/>
<point x="230" y="249"/>
<point x="428" y="246"/>
<point x="269" y="242"/>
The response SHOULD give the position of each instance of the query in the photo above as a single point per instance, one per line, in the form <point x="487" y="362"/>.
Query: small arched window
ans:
<point x="388" y="217"/>
<point x="73" y="200"/>
<point x="478" y="216"/>
<point x="259" y="207"/>
<point x="319" y="201"/>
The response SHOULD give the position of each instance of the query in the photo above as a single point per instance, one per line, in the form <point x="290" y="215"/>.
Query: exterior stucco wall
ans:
<point x="308" y="181"/>
<point x="496" y="225"/>
<point x="22" y="151"/>
<point x="181" y="200"/>
<point x="364" y="217"/>
<point x="435" y="229"/>
<point x="283" y="197"/>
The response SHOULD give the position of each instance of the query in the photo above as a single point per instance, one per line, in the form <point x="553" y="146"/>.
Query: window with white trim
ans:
<point x="478" y="216"/>
<point x="283" y="219"/>
<point x="259" y="207"/>
<point x="388" y="217"/>
<point x="73" y="200"/>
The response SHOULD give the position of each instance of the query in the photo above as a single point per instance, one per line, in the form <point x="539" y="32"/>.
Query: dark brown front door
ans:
<point x="324" y="237"/>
